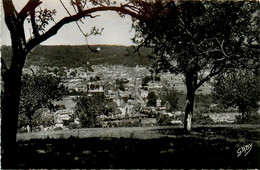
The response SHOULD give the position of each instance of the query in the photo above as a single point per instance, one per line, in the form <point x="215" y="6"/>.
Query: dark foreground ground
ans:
<point x="155" y="147"/>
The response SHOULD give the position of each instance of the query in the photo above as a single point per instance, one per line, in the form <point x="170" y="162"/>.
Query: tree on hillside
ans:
<point x="120" y="84"/>
<point x="151" y="99"/>
<point x="200" y="40"/>
<point x="88" y="108"/>
<point x="96" y="78"/>
<point x="240" y="90"/>
<point x="157" y="78"/>
<point x="41" y="118"/>
<point x="39" y="91"/>
<point x="39" y="20"/>
<point x="145" y="80"/>
<point x="170" y="95"/>
<point x="73" y="74"/>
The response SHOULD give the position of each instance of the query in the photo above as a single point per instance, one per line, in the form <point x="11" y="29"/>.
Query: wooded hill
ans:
<point x="77" y="56"/>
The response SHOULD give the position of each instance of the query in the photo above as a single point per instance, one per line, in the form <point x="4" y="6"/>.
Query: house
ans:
<point x="97" y="87"/>
<point x="158" y="102"/>
<point x="123" y="106"/>
<point x="144" y="94"/>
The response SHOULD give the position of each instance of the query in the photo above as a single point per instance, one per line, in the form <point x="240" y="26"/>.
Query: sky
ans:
<point x="117" y="30"/>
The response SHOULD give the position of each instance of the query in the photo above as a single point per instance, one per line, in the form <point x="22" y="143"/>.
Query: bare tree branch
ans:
<point x="53" y="30"/>
<point x="34" y="25"/>
<point x="209" y="51"/>
<point x="80" y="29"/>
<point x="222" y="47"/>
<point x="208" y="77"/>
<point x="31" y="5"/>
<point x="79" y="6"/>
<point x="185" y="26"/>
<point x="65" y="7"/>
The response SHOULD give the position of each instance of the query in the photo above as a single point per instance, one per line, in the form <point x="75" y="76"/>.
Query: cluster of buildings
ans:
<point x="106" y="79"/>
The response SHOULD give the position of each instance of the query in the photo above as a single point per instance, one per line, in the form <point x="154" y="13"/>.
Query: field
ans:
<point x="214" y="146"/>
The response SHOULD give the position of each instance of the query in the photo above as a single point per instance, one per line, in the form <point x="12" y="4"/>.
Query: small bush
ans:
<point x="164" y="120"/>
<point x="58" y="128"/>
<point x="67" y="122"/>
<point x="73" y="125"/>
<point x="22" y="130"/>
<point x="197" y="119"/>
<point x="202" y="120"/>
<point x="149" y="113"/>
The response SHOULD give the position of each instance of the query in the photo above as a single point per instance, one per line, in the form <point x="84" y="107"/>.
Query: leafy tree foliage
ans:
<point x="204" y="104"/>
<point x="96" y="78"/>
<point x="170" y="96"/>
<point x="41" y="118"/>
<point x="39" y="91"/>
<point x="199" y="39"/>
<point x="240" y="90"/>
<point x="73" y="74"/>
<point x="157" y="78"/>
<point x="145" y="80"/>
<point x="151" y="99"/>
<point x="120" y="84"/>
<point x="88" y="108"/>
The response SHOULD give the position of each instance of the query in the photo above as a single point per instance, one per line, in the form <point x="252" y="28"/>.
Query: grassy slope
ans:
<point x="204" y="147"/>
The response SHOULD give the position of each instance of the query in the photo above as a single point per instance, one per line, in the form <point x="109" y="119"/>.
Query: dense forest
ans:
<point x="77" y="56"/>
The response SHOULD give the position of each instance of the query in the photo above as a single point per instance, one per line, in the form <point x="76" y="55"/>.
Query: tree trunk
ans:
<point x="10" y="110"/>
<point x="30" y="123"/>
<point x="28" y="128"/>
<point x="12" y="87"/>
<point x="191" y="82"/>
<point x="243" y="116"/>
<point x="189" y="109"/>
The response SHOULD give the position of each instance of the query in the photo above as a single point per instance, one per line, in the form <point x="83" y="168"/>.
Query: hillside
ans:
<point x="77" y="56"/>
